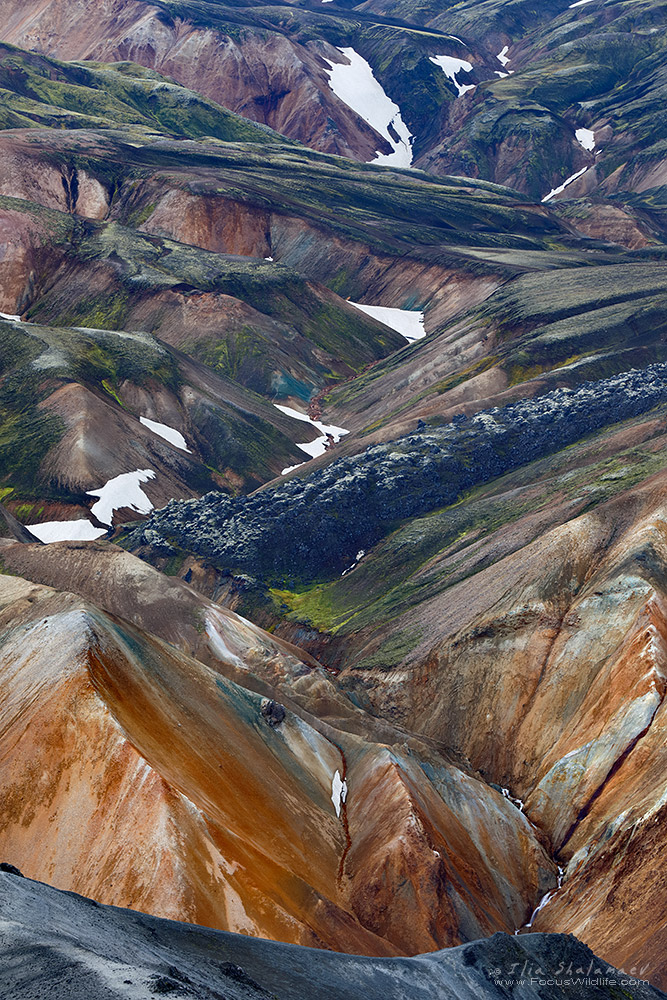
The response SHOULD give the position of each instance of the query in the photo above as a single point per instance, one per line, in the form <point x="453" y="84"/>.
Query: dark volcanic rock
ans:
<point x="313" y="527"/>
<point x="10" y="869"/>
<point x="273" y="713"/>
<point x="88" y="952"/>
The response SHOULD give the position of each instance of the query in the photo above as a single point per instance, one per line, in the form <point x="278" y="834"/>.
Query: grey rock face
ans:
<point x="61" y="946"/>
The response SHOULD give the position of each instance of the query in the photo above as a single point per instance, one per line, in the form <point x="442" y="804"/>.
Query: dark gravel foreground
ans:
<point x="61" y="946"/>
<point x="312" y="527"/>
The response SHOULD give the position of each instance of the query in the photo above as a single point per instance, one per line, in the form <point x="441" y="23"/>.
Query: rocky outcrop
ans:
<point x="323" y="520"/>
<point x="552" y="328"/>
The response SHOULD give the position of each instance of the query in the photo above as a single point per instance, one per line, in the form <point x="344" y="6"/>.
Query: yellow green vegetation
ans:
<point x="312" y="605"/>
<point x="141" y="215"/>
<point x="38" y="91"/>
<point x="428" y="555"/>
<point x="107" y="312"/>
<point x="106" y="385"/>
<point x="25" y="438"/>
<point x="24" y="510"/>
<point x="522" y="373"/>
<point x="230" y="355"/>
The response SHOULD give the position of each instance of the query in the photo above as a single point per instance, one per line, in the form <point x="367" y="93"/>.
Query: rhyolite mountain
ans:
<point x="238" y="775"/>
<point x="536" y="75"/>
<point x="373" y="657"/>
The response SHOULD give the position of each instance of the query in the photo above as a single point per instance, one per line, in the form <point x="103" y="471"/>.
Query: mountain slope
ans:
<point x="518" y="81"/>
<point x="40" y="92"/>
<point x="85" y="950"/>
<point x="83" y="407"/>
<point x="453" y="724"/>
<point x="232" y="808"/>
<point x="521" y="626"/>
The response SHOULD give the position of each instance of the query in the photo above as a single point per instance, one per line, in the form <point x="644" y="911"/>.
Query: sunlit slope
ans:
<point x="522" y="626"/>
<point x="165" y="786"/>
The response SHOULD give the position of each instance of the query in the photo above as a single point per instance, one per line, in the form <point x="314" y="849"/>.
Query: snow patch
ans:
<point x="515" y="802"/>
<point x="360" y="555"/>
<point x="122" y="491"/>
<point x="502" y="56"/>
<point x="66" y="531"/>
<point x="291" y="468"/>
<point x="561" y="187"/>
<point x="317" y="447"/>
<point x="450" y="66"/>
<point x="11" y="316"/>
<point x="586" y="138"/>
<point x="219" y="646"/>
<point x="168" y="433"/>
<point x="338" y="792"/>
<point x="409" y="323"/>
<point x="353" y="83"/>
<point x="579" y="3"/>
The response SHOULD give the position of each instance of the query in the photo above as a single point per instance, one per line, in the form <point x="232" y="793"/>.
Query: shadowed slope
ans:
<point x="84" y="950"/>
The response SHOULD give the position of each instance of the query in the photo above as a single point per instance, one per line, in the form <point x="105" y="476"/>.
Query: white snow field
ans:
<point x="561" y="187"/>
<point x="450" y="67"/>
<point x="353" y="83"/>
<point x="338" y="792"/>
<point x="122" y="491"/>
<point x="407" y="322"/>
<point x="586" y="138"/>
<point x="317" y="447"/>
<point x="82" y="530"/>
<point x="169" y="434"/>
